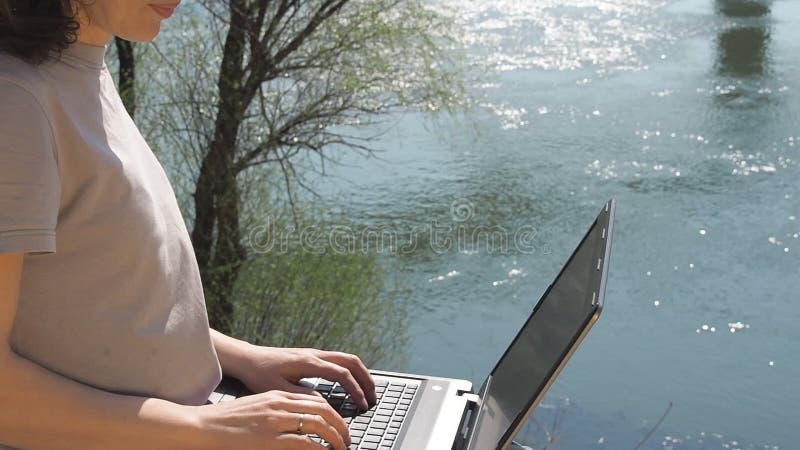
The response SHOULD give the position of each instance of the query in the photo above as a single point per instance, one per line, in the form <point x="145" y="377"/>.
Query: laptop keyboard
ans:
<point x="374" y="429"/>
<point x="379" y="427"/>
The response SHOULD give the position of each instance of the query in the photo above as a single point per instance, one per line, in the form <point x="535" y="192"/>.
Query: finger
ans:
<point x="304" y="397"/>
<point x="297" y="442"/>
<point x="292" y="396"/>
<point x="314" y="424"/>
<point x="356" y="367"/>
<point x="329" y="415"/>
<point x="287" y="386"/>
<point x="341" y="375"/>
<point x="316" y="411"/>
<point x="303" y="422"/>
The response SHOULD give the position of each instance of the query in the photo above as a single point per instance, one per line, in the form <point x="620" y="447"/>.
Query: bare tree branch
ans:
<point x="654" y="428"/>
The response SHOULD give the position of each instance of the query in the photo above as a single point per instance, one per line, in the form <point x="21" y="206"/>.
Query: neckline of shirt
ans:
<point x="86" y="55"/>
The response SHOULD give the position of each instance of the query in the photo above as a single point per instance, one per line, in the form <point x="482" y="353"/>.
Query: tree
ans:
<point x="293" y="79"/>
<point x="126" y="74"/>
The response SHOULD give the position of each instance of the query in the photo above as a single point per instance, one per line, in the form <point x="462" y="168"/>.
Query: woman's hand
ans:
<point x="281" y="368"/>
<point x="275" y="420"/>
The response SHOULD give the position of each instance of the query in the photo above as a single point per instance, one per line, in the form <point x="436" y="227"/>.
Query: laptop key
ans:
<point x="324" y="390"/>
<point x="348" y="411"/>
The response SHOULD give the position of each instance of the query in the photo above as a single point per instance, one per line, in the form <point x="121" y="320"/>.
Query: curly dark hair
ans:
<point x="35" y="30"/>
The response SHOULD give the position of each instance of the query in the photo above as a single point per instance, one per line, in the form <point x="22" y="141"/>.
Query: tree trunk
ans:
<point x="127" y="74"/>
<point x="216" y="236"/>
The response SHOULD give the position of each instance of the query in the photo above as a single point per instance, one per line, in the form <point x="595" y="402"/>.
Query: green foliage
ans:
<point x="295" y="296"/>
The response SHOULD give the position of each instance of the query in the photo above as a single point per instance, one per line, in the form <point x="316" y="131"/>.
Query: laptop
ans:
<point x="419" y="412"/>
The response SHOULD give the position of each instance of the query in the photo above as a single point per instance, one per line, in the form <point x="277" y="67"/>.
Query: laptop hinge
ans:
<point x="472" y="398"/>
<point x="471" y="408"/>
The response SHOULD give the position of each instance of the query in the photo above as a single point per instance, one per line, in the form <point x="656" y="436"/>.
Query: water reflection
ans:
<point x="743" y="8"/>
<point x="743" y="52"/>
<point x="743" y="91"/>
<point x="743" y="47"/>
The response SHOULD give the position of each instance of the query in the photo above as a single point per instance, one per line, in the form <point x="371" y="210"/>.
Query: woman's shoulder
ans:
<point x="16" y="74"/>
<point x="26" y="98"/>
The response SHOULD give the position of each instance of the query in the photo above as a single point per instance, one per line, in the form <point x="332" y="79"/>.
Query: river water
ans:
<point x="685" y="111"/>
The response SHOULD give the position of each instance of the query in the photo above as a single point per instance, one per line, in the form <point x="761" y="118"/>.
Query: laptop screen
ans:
<point x="545" y="340"/>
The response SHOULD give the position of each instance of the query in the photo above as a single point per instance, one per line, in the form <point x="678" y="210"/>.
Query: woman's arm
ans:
<point x="263" y="369"/>
<point x="232" y="353"/>
<point x="41" y="409"/>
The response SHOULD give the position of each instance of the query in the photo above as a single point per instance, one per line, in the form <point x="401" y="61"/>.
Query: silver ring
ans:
<point x="300" y="423"/>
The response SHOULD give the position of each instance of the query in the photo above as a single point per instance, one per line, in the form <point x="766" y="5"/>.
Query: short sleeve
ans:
<point x="30" y="187"/>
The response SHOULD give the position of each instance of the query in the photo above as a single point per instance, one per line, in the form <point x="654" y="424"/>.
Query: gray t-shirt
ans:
<point x="111" y="293"/>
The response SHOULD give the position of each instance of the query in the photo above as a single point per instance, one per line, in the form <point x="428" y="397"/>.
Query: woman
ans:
<point x="105" y="338"/>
